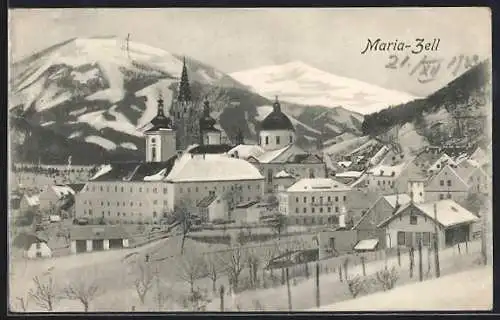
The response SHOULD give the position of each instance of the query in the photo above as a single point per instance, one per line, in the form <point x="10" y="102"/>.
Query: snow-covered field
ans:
<point x="470" y="290"/>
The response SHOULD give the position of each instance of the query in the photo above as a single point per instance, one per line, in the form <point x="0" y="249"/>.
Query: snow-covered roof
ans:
<point x="269" y="156"/>
<point x="283" y="174"/>
<point x="349" y="174"/>
<point x="247" y="150"/>
<point x="388" y="171"/>
<point x="345" y="164"/>
<point x="33" y="200"/>
<point x="448" y="212"/>
<point x="401" y="199"/>
<point x="318" y="184"/>
<point x="102" y="170"/>
<point x="367" y="244"/>
<point x="212" y="167"/>
<point x="62" y="191"/>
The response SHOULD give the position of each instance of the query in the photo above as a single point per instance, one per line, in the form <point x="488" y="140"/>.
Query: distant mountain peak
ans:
<point x="298" y="82"/>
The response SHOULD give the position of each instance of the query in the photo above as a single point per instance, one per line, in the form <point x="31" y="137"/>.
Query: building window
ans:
<point x="249" y="187"/>
<point x="116" y="188"/>
<point x="401" y="238"/>
<point x="131" y="203"/>
<point x="329" y="198"/>
<point x="109" y="213"/>
<point x="312" y="199"/>
<point x="345" y="198"/>
<point x="165" y="190"/>
<point x="165" y="203"/>
<point x="153" y="153"/>
<point x="441" y="182"/>
<point x="269" y="175"/>
<point x="449" y="183"/>
<point x="117" y="203"/>
<point x="267" y="140"/>
<point x="90" y="212"/>
<point x="102" y="203"/>
<point x="297" y="199"/>
<point x="189" y="190"/>
<point x="448" y="195"/>
<point x="329" y="209"/>
<point x="38" y="246"/>
<point x="336" y="199"/>
<point x="305" y="210"/>
<point x="320" y="199"/>
<point x="305" y="199"/>
<point x="321" y="210"/>
<point x="336" y="209"/>
<point x="312" y="210"/>
<point x="413" y="219"/>
<point x="102" y="189"/>
<point x="118" y="214"/>
<point x="196" y="189"/>
<point x="155" y="190"/>
<point x="426" y="239"/>
<point x="441" y="197"/>
<point x="291" y="139"/>
<point x="378" y="182"/>
<point x="277" y="140"/>
<point x="107" y="203"/>
<point x="296" y="210"/>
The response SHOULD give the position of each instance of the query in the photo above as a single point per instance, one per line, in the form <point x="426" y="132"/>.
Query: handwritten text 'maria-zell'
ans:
<point x="416" y="47"/>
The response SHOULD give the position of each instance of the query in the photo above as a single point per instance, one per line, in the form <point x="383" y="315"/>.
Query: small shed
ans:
<point x="366" y="245"/>
<point x="98" y="238"/>
<point x="248" y="212"/>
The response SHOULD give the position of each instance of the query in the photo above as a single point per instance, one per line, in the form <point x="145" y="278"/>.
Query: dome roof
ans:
<point x="277" y="120"/>
<point x="160" y="121"/>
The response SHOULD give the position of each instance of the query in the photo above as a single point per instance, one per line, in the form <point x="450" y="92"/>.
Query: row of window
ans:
<point x="232" y="188"/>
<point x="122" y="203"/>
<point x="411" y="239"/>
<point x="448" y="183"/>
<point x="120" y="214"/>
<point x="328" y="199"/>
<point x="315" y="220"/>
<point x="390" y="183"/>
<point x="277" y="139"/>
<point x="442" y="196"/>
<point x="320" y="210"/>
<point x="122" y="189"/>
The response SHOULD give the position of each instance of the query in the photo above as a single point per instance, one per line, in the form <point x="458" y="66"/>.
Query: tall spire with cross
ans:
<point x="184" y="94"/>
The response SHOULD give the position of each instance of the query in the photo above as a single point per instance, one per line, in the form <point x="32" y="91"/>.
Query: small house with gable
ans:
<point x="98" y="238"/>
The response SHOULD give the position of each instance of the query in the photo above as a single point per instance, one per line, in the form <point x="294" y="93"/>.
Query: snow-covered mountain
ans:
<point x="300" y="83"/>
<point x="96" y="95"/>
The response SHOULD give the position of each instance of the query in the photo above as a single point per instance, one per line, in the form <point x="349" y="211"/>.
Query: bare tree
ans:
<point x="387" y="278"/>
<point x="45" y="293"/>
<point x="23" y="303"/>
<point x="144" y="280"/>
<point x="83" y="290"/>
<point x="253" y="261"/>
<point x="235" y="263"/>
<point x="214" y="268"/>
<point x="183" y="218"/>
<point x="191" y="268"/>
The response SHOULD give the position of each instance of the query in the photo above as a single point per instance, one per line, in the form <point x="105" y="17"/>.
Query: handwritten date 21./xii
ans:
<point x="426" y="69"/>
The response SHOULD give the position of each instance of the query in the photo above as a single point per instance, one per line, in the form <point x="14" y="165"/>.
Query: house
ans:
<point x="33" y="246"/>
<point x="417" y="221"/>
<point x="316" y="201"/>
<point x="29" y="203"/>
<point x="381" y="210"/>
<point x="392" y="179"/>
<point x="440" y="163"/>
<point x="98" y="238"/>
<point x="446" y="184"/>
<point x="212" y="207"/>
<point x="249" y="212"/>
<point x="476" y="178"/>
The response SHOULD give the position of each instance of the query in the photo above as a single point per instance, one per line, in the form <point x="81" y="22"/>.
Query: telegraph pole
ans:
<point x="128" y="41"/>
<point x="436" y="243"/>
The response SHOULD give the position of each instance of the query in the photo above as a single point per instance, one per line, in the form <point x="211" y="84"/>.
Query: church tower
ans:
<point x="276" y="130"/>
<point x="209" y="134"/>
<point x="160" y="138"/>
<point x="185" y="115"/>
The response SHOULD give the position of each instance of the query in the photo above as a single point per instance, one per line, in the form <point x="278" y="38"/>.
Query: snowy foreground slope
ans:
<point x="300" y="83"/>
<point x="465" y="291"/>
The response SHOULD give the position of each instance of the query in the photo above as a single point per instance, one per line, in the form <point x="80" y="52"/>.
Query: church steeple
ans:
<point x="184" y="90"/>
<point x="276" y="105"/>
<point x="161" y="121"/>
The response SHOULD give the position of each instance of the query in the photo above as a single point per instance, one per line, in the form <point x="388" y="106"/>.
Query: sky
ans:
<point x="238" y="39"/>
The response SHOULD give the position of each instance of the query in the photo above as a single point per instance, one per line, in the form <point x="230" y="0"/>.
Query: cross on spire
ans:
<point x="276" y="105"/>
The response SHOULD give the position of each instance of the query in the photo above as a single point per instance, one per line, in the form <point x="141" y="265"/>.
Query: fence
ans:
<point x="333" y="284"/>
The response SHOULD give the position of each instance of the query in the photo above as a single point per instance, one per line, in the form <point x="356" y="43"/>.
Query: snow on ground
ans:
<point x="346" y="146"/>
<point x="120" y="123"/>
<point x="128" y="145"/>
<point x="300" y="83"/>
<point x="78" y="112"/>
<point x="75" y="135"/>
<point x="105" y="143"/>
<point x="468" y="290"/>
<point x="48" y="123"/>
